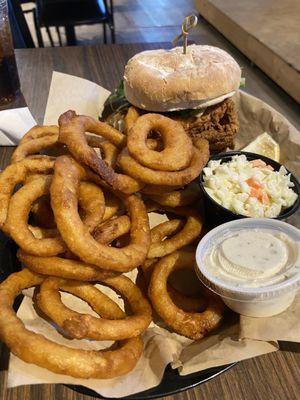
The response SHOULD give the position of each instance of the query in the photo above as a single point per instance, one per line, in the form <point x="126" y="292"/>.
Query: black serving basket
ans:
<point x="219" y="214"/>
<point x="171" y="384"/>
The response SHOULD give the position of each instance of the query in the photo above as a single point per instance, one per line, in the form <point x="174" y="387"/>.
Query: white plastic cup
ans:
<point x="253" y="302"/>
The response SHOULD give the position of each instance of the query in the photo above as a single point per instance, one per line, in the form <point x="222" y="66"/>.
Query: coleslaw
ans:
<point x="250" y="188"/>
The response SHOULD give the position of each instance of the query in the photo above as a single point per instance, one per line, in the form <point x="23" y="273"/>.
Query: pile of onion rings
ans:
<point x="76" y="199"/>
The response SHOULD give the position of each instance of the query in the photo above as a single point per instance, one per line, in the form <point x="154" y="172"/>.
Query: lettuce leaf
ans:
<point x="116" y="102"/>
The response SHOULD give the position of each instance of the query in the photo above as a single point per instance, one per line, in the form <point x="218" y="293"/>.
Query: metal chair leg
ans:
<point x="59" y="35"/>
<point x="70" y="35"/>
<point x="50" y="36"/>
<point x="38" y="30"/>
<point x="112" y="33"/>
<point x="112" y="22"/>
<point x="104" y="34"/>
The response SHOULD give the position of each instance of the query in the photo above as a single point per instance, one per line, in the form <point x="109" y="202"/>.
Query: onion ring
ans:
<point x="183" y="301"/>
<point x="187" y="303"/>
<point x="42" y="214"/>
<point x="72" y="133"/>
<point x="55" y="357"/>
<point x="16" y="173"/>
<point x="73" y="126"/>
<point x="63" y="267"/>
<point x="38" y="132"/>
<point x="101" y="303"/>
<point x="86" y="326"/>
<point x="130" y="118"/>
<point x="17" y="217"/>
<point x="192" y="325"/>
<point x="64" y="204"/>
<point x="113" y="205"/>
<point x="112" y="229"/>
<point x="46" y="245"/>
<point x="177" y="178"/>
<point x="109" y="152"/>
<point x="92" y="206"/>
<point x="34" y="146"/>
<point x="159" y="189"/>
<point x="177" y="198"/>
<point x="164" y="229"/>
<point x="190" y="232"/>
<point x="43" y="233"/>
<point x="75" y="269"/>
<point x="91" y="200"/>
<point x="176" y="141"/>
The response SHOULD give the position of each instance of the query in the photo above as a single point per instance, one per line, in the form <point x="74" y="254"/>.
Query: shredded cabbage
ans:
<point x="249" y="188"/>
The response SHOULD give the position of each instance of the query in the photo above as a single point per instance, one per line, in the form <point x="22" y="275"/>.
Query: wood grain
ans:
<point x="273" y="376"/>
<point x="104" y="65"/>
<point x="269" y="38"/>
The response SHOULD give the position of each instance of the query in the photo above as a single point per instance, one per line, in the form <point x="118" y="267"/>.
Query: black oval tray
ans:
<point x="171" y="384"/>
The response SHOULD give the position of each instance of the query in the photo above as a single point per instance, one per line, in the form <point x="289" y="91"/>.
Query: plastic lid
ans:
<point x="225" y="289"/>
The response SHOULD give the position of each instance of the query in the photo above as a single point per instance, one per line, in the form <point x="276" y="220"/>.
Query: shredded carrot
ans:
<point x="255" y="193"/>
<point x="259" y="195"/>
<point x="258" y="163"/>
<point x="269" y="167"/>
<point x="265" y="198"/>
<point x="252" y="183"/>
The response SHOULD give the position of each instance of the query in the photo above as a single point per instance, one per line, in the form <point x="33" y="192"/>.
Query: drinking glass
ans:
<point x="9" y="78"/>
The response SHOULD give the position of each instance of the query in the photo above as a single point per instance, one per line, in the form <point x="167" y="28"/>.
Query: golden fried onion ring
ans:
<point x="91" y="200"/>
<point x="63" y="267"/>
<point x="38" y="132"/>
<point x="181" y="300"/>
<point x="16" y="173"/>
<point x="113" y="205"/>
<point x="41" y="213"/>
<point x="192" y="325"/>
<point x="86" y="326"/>
<point x="177" y="150"/>
<point x="65" y="203"/>
<point x="176" y="178"/>
<point x="17" y="219"/>
<point x="35" y="140"/>
<point x="187" y="303"/>
<point x="92" y="209"/>
<point x="36" y="241"/>
<point x="112" y="229"/>
<point x="159" y="189"/>
<point x="55" y="357"/>
<point x="66" y="268"/>
<point x="177" y="198"/>
<point x="72" y="129"/>
<point x="187" y="235"/>
<point x="109" y="152"/>
<point x="130" y="118"/>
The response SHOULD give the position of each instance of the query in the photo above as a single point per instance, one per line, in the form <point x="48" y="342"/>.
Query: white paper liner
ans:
<point x="68" y="92"/>
<point x="161" y="346"/>
<point x="158" y="353"/>
<point x="288" y="323"/>
<point x="13" y="124"/>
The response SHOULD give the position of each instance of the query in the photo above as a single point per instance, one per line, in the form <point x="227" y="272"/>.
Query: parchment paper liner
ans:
<point x="240" y="338"/>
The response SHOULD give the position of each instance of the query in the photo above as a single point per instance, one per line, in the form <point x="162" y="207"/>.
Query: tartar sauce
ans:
<point x="253" y="258"/>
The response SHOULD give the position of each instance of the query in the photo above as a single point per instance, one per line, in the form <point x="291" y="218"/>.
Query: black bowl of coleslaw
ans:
<point x="217" y="214"/>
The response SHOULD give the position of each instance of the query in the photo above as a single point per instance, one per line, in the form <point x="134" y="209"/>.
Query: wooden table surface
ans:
<point x="273" y="376"/>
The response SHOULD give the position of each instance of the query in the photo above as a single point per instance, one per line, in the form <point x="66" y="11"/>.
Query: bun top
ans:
<point x="168" y="80"/>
